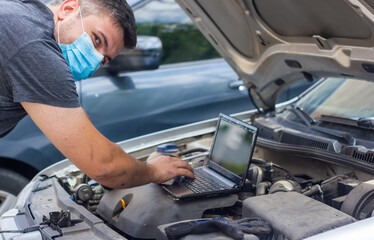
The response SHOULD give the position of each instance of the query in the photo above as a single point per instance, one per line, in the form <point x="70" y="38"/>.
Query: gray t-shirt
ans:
<point x="32" y="67"/>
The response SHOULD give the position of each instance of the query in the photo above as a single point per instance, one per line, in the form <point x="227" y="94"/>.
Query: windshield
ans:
<point x="345" y="98"/>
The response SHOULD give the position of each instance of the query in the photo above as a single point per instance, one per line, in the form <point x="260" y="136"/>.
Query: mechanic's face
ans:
<point x="106" y="36"/>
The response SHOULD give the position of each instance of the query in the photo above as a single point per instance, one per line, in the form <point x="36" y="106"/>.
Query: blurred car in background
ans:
<point x="134" y="95"/>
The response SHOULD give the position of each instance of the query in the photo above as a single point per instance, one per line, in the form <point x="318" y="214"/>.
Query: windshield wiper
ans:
<point x="336" y="133"/>
<point x="305" y="117"/>
<point x="366" y="123"/>
<point x="309" y="122"/>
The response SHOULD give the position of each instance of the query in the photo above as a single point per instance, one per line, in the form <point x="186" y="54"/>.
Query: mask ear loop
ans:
<point x="58" y="31"/>
<point x="80" y="13"/>
<point x="59" y="21"/>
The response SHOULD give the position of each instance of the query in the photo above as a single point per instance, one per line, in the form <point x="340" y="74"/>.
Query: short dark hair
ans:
<point x="118" y="10"/>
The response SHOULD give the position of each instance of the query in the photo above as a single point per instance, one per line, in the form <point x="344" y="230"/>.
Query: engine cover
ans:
<point x="149" y="206"/>
<point x="293" y="215"/>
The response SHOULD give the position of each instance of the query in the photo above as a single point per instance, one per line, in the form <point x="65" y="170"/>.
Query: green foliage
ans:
<point x="181" y="42"/>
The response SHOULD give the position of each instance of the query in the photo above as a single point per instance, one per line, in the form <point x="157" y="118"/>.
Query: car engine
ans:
<point x="297" y="195"/>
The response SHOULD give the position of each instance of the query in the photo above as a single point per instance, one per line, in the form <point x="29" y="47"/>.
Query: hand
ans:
<point x="166" y="168"/>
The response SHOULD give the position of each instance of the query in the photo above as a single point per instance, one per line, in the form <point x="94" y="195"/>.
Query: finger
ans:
<point x="185" y="172"/>
<point x="189" y="167"/>
<point x="183" y="164"/>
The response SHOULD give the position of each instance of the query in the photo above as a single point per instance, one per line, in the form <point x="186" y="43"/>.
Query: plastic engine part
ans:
<point x="359" y="203"/>
<point x="293" y="215"/>
<point x="149" y="206"/>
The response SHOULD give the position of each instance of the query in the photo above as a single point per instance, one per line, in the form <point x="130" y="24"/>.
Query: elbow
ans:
<point x="106" y="176"/>
<point x="110" y="175"/>
<point x="101" y="167"/>
<point x="102" y="173"/>
<point x="107" y="167"/>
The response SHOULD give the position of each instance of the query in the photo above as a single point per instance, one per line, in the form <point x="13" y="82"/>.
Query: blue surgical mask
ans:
<point x="81" y="55"/>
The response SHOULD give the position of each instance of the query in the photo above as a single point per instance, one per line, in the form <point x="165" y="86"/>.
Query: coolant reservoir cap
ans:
<point x="167" y="148"/>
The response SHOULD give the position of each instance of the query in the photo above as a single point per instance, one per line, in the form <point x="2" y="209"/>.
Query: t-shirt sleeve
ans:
<point x="38" y="73"/>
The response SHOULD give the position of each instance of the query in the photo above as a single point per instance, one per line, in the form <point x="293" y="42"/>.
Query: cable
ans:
<point x="253" y="101"/>
<point x="259" y="161"/>
<point x="192" y="151"/>
<point x="26" y="230"/>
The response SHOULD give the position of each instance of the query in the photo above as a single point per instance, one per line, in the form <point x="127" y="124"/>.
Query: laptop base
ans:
<point x="194" y="188"/>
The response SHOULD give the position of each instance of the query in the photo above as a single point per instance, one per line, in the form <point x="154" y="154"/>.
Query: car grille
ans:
<point x="366" y="157"/>
<point x="297" y="140"/>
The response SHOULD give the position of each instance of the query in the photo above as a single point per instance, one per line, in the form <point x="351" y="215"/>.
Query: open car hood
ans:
<point x="271" y="44"/>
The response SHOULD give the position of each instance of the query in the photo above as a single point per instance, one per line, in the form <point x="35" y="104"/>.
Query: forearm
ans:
<point x="74" y="135"/>
<point x="121" y="170"/>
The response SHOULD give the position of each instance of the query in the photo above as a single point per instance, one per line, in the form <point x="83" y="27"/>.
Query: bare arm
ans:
<point x="70" y="130"/>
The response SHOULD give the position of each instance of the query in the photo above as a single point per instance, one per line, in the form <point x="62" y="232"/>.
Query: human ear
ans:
<point x="67" y="7"/>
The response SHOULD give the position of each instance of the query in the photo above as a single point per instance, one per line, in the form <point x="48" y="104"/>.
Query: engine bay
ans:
<point x="277" y="178"/>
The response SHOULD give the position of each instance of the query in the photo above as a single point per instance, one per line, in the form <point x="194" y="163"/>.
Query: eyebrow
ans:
<point x="105" y="45"/>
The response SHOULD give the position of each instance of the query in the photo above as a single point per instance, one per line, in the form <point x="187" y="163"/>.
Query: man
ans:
<point x="37" y="78"/>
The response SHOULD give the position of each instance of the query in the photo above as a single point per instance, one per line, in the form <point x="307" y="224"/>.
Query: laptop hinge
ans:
<point x="226" y="181"/>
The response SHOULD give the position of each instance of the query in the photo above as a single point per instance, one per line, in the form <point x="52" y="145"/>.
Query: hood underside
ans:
<point x="272" y="44"/>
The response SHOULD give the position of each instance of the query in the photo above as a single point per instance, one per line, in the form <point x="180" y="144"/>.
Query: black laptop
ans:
<point x="226" y="167"/>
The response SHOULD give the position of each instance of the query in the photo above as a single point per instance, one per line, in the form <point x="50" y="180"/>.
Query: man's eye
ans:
<point x="97" y="40"/>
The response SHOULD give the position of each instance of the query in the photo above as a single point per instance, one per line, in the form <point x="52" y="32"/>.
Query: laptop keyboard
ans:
<point x="203" y="182"/>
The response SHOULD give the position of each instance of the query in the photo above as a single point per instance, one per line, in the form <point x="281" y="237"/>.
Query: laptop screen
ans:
<point x="232" y="148"/>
